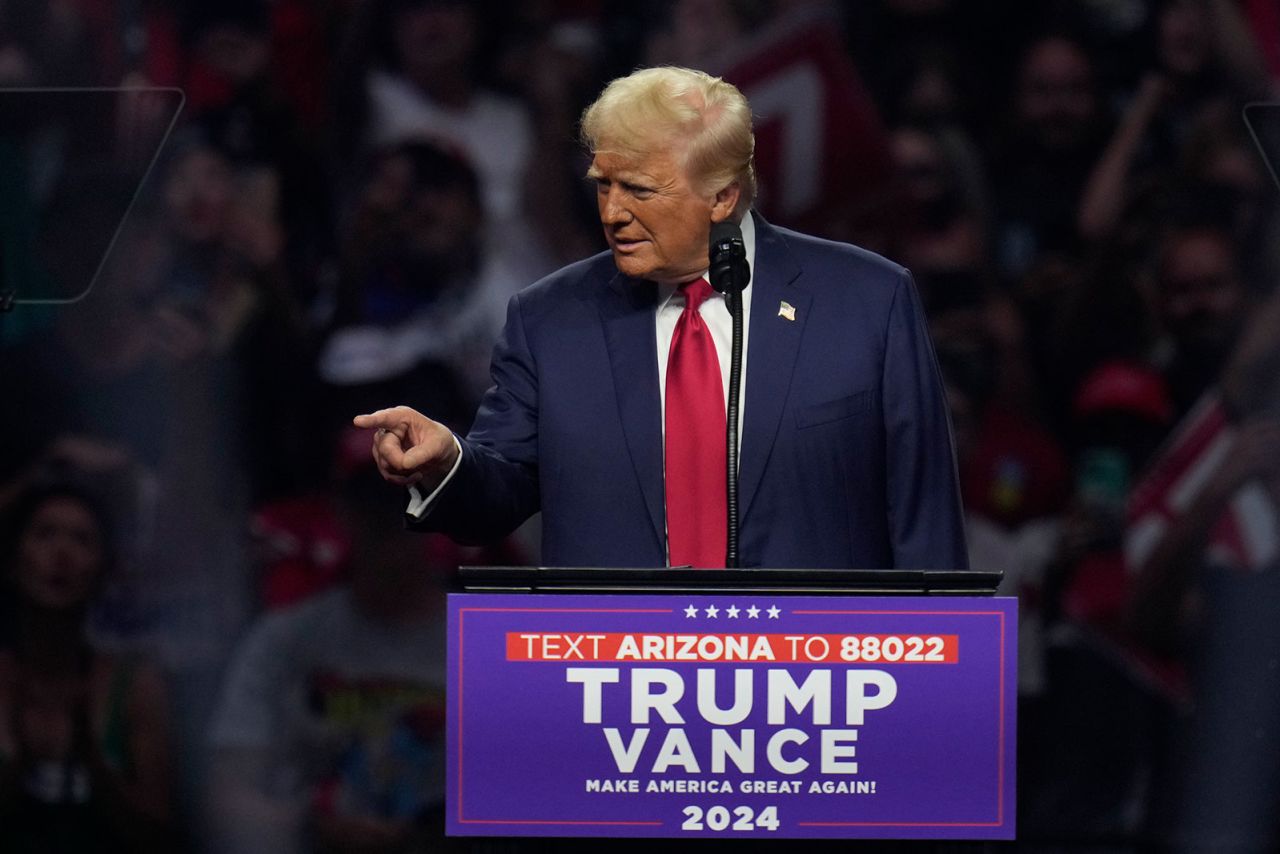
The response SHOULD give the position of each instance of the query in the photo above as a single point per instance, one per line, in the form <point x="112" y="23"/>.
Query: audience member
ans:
<point x="1200" y="303"/>
<point x="84" y="750"/>
<point x="418" y="285"/>
<point x="943" y="228"/>
<point x="428" y="89"/>
<point x="1053" y="142"/>
<point x="1203" y="542"/>
<point x="329" y="734"/>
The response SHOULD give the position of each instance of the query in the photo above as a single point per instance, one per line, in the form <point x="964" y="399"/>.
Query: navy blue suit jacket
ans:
<point x="846" y="451"/>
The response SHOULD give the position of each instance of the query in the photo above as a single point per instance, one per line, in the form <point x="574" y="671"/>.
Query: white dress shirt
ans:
<point x="715" y="315"/>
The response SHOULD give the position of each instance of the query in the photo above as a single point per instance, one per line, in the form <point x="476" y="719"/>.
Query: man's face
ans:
<point x="1201" y="298"/>
<point x="656" y="223"/>
<point x="1055" y="95"/>
<point x="430" y="36"/>
<point x="199" y="193"/>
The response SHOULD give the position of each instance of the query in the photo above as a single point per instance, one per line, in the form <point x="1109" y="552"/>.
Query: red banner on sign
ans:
<point x="745" y="648"/>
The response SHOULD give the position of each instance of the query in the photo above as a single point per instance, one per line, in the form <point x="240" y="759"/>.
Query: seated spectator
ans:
<point x="697" y="33"/>
<point x="1208" y="51"/>
<point x="418" y="287"/>
<point x="1054" y="141"/>
<point x="1013" y="475"/>
<point x="1122" y="411"/>
<point x="1147" y="171"/>
<point x="1225" y="517"/>
<point x="429" y="89"/>
<point x="947" y="55"/>
<point x="1088" y="764"/>
<point x="303" y="546"/>
<point x="1201" y="303"/>
<point x="1224" y="180"/>
<point x="238" y="98"/>
<point x="943" y="229"/>
<point x="1013" y="481"/>
<point x="329" y="734"/>
<point x="1203" y="545"/>
<point x="84" y="755"/>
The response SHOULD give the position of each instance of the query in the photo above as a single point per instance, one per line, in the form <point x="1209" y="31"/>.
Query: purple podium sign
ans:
<point x="730" y="715"/>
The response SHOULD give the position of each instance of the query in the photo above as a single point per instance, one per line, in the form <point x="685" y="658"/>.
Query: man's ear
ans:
<point x="725" y="202"/>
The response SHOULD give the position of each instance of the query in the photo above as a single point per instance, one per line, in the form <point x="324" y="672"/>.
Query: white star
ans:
<point x="732" y="612"/>
<point x="774" y="612"/>
<point x="753" y="612"/>
<point x="712" y="610"/>
<point x="691" y="611"/>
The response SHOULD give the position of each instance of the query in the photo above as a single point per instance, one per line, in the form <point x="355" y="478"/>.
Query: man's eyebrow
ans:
<point x="624" y="177"/>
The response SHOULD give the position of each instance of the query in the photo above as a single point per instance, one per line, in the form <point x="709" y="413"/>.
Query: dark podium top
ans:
<point x="858" y="582"/>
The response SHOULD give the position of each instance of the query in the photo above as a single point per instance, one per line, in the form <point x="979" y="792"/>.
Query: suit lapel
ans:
<point x="627" y="312"/>
<point x="771" y="358"/>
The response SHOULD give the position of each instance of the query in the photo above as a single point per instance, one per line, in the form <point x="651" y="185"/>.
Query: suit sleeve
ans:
<point x="926" y="521"/>
<point x="495" y="486"/>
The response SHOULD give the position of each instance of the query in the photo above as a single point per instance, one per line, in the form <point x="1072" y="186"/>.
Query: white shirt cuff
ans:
<point x="419" y="506"/>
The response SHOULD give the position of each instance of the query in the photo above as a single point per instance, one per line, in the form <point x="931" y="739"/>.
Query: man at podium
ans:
<point x="607" y="410"/>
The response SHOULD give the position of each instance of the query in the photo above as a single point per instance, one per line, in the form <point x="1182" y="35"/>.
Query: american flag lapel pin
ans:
<point x="787" y="310"/>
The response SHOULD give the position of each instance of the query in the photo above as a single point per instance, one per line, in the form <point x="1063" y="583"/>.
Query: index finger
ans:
<point x="382" y="418"/>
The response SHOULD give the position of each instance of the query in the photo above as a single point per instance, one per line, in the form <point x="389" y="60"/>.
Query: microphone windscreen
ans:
<point x="727" y="254"/>
<point x="722" y="231"/>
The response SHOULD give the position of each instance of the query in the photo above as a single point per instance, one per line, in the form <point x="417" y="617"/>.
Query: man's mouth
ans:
<point x="626" y="244"/>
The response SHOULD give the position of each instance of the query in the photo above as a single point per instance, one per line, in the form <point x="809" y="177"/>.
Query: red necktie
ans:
<point x="697" y="526"/>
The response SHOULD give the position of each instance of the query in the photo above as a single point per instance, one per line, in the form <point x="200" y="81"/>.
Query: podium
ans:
<point x="752" y="703"/>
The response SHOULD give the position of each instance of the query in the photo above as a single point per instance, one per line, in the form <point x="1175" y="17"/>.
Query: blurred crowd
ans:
<point x="214" y="635"/>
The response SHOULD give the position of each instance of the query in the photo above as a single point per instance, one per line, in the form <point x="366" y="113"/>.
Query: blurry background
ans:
<point x="214" y="636"/>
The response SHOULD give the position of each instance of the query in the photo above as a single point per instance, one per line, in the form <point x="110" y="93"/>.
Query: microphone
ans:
<point x="729" y="273"/>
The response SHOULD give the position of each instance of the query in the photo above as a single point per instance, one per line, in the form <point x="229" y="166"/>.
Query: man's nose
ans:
<point x="612" y="209"/>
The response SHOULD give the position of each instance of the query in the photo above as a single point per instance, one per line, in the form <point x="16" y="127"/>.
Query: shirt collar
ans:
<point x="748" y="225"/>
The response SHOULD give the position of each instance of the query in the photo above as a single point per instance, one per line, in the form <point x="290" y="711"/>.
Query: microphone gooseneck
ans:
<point x="729" y="274"/>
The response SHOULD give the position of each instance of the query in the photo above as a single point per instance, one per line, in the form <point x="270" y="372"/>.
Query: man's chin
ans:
<point x="630" y="265"/>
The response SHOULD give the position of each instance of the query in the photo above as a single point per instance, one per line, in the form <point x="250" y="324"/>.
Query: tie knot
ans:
<point x="695" y="293"/>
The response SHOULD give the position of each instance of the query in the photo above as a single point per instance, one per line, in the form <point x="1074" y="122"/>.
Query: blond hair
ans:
<point x="706" y="119"/>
